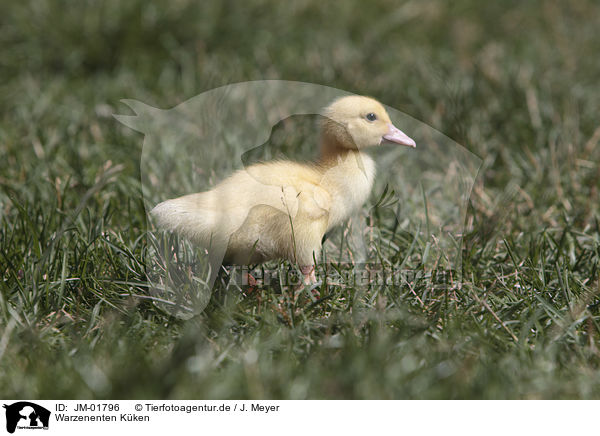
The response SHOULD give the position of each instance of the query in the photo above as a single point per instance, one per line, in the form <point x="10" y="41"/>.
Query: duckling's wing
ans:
<point x="243" y="191"/>
<point x="295" y="186"/>
<point x="316" y="203"/>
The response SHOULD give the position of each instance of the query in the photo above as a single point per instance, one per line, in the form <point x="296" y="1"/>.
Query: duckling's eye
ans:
<point x="371" y="116"/>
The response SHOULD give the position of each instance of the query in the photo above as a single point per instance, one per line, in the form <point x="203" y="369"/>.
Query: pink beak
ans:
<point x="399" y="137"/>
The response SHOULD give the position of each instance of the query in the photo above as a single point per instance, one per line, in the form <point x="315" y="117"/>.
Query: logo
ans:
<point x="423" y="196"/>
<point x="26" y="415"/>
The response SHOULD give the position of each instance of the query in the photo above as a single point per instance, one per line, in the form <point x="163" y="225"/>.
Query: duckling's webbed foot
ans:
<point x="251" y="284"/>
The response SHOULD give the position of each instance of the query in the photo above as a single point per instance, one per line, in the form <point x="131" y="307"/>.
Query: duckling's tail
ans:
<point x="189" y="216"/>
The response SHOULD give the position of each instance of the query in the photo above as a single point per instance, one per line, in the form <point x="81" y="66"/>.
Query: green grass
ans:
<point x="516" y="84"/>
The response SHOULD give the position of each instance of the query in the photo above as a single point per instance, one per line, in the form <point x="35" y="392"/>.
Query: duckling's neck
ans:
<point x="333" y="152"/>
<point x="348" y="176"/>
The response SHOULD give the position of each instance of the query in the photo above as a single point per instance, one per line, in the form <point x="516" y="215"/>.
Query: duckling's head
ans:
<point x="357" y="122"/>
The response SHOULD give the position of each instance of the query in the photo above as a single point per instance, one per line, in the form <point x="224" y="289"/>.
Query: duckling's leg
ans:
<point x="310" y="279"/>
<point x="251" y="284"/>
<point x="309" y="235"/>
<point x="216" y="254"/>
<point x="308" y="271"/>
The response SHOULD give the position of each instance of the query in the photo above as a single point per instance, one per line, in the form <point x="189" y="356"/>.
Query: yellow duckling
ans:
<point x="282" y="209"/>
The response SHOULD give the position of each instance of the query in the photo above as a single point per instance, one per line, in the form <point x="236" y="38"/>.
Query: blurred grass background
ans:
<point x="514" y="82"/>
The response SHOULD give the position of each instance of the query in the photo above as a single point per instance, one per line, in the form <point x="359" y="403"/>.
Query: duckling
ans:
<point x="282" y="209"/>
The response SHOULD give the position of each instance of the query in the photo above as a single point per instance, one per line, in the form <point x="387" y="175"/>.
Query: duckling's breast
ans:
<point x="349" y="183"/>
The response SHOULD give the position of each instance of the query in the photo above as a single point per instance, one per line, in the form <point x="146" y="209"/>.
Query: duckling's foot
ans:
<point x="250" y="282"/>
<point x="310" y="289"/>
<point x="314" y="289"/>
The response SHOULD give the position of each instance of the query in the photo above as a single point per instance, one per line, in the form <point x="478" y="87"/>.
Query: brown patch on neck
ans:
<point x="335" y="141"/>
